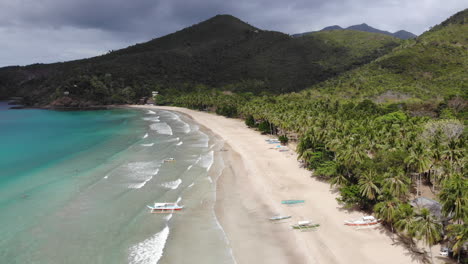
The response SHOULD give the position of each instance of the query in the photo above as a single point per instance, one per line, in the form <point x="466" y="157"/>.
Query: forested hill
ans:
<point x="401" y="34"/>
<point x="434" y="65"/>
<point x="222" y="52"/>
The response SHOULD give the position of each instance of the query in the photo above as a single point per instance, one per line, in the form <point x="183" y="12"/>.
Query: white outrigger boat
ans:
<point x="305" y="225"/>
<point x="279" y="217"/>
<point x="165" y="207"/>
<point x="272" y="141"/>
<point x="367" y="220"/>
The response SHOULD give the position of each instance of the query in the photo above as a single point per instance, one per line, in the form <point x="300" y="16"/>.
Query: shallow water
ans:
<point x="74" y="188"/>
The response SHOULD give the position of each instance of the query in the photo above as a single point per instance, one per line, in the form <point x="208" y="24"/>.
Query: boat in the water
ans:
<point x="367" y="220"/>
<point x="292" y="201"/>
<point x="279" y="217"/>
<point x="305" y="225"/>
<point x="169" y="160"/>
<point x="165" y="207"/>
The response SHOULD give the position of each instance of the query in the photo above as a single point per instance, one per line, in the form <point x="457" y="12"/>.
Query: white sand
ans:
<point x="251" y="188"/>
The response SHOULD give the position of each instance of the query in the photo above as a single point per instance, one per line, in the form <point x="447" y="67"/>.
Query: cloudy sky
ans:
<point x="44" y="31"/>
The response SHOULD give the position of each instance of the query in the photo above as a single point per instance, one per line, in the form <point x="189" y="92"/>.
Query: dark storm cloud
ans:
<point x="57" y="30"/>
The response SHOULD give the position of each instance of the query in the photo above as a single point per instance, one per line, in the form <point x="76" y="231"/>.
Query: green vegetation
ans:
<point x="434" y="65"/>
<point x="378" y="133"/>
<point x="222" y="52"/>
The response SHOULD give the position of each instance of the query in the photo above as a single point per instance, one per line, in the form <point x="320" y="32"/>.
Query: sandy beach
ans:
<point x="251" y="188"/>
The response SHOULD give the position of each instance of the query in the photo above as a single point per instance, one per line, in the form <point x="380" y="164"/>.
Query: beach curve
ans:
<point x="251" y="188"/>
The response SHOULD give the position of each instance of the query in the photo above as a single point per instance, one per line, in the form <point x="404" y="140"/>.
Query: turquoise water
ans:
<point x="74" y="188"/>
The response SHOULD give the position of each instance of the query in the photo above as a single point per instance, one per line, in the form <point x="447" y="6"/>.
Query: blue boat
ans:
<point x="292" y="201"/>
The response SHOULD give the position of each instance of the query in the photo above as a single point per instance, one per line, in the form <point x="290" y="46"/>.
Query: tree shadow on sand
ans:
<point x="416" y="254"/>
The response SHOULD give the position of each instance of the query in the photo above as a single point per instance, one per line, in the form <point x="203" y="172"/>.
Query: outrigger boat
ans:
<point x="164" y="207"/>
<point x="305" y="225"/>
<point x="279" y="217"/>
<point x="292" y="201"/>
<point x="272" y="141"/>
<point x="169" y="160"/>
<point x="364" y="221"/>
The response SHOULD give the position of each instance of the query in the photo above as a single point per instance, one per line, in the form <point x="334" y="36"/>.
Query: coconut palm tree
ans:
<point x="405" y="221"/>
<point x="387" y="211"/>
<point x="368" y="184"/>
<point x="419" y="159"/>
<point x="454" y="197"/>
<point x="427" y="228"/>
<point x="396" y="182"/>
<point x="458" y="236"/>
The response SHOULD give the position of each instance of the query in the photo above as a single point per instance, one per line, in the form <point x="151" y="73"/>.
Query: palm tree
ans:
<point x="428" y="228"/>
<point x="396" y="182"/>
<point x="368" y="184"/>
<point x="387" y="211"/>
<point x="454" y="197"/>
<point x="405" y="221"/>
<point x="458" y="236"/>
<point x="454" y="150"/>
<point x="339" y="180"/>
<point x="420" y="160"/>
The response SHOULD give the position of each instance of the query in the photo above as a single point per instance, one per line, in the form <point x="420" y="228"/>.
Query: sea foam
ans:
<point x="150" y="250"/>
<point x="185" y="127"/>
<point x="152" y="119"/>
<point x="141" y="173"/>
<point x="206" y="160"/>
<point x="146" y="135"/>
<point x="148" y="145"/>
<point x="140" y="184"/>
<point x="150" y="112"/>
<point x="172" y="184"/>
<point x="162" y="128"/>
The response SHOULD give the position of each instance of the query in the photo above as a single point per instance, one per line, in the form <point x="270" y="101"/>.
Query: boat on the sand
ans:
<point x="367" y="220"/>
<point x="305" y="225"/>
<point x="279" y="217"/>
<point x="292" y="201"/>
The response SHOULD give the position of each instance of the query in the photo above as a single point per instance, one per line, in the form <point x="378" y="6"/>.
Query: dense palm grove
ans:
<point x="379" y="157"/>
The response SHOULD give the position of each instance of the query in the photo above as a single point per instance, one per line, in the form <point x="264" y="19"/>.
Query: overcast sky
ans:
<point x="44" y="31"/>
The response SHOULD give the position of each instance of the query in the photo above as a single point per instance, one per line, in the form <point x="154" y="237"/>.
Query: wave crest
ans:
<point x="150" y="250"/>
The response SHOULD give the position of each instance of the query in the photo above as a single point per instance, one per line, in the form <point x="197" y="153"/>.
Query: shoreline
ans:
<point x="250" y="189"/>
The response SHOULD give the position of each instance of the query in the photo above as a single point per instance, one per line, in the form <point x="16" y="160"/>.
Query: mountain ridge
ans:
<point x="222" y="52"/>
<point x="401" y="34"/>
<point x="433" y="66"/>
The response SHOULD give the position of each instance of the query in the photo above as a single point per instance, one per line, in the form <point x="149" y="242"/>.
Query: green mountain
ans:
<point x="221" y="52"/>
<point x="401" y="34"/>
<point x="432" y="66"/>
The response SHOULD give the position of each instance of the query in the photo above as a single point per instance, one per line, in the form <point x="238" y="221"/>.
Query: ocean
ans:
<point x="74" y="187"/>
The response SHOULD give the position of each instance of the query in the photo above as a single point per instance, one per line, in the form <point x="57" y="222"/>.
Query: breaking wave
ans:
<point x="141" y="173"/>
<point x="146" y="135"/>
<point x="150" y="112"/>
<point x="152" y="119"/>
<point x="206" y="160"/>
<point x="172" y="184"/>
<point x="148" y="145"/>
<point x="150" y="250"/>
<point x="162" y="128"/>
